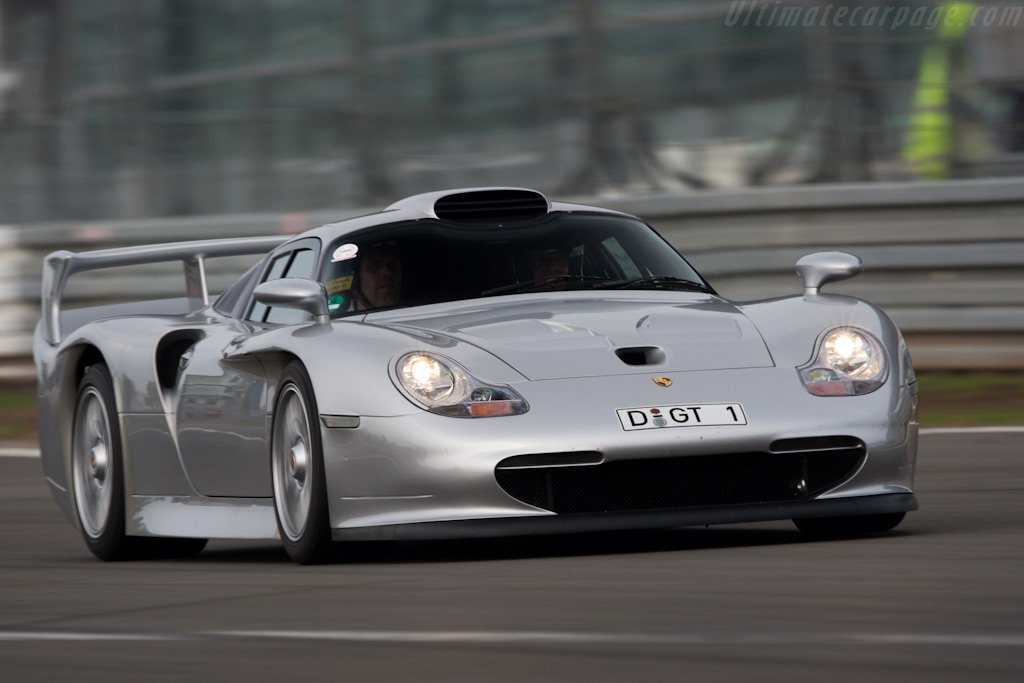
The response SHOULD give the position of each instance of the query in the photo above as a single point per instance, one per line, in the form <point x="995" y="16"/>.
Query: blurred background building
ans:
<point x="133" y="108"/>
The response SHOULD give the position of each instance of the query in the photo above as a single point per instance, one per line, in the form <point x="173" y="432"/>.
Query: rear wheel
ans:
<point x="97" y="477"/>
<point x="849" y="526"/>
<point x="300" y="492"/>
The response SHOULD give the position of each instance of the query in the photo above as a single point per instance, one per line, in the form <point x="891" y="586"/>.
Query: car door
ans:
<point x="221" y="423"/>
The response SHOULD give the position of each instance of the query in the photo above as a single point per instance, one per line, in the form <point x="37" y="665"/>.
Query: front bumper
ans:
<point x="427" y="476"/>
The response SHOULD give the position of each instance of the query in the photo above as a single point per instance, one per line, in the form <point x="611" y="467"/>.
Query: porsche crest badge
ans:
<point x="663" y="381"/>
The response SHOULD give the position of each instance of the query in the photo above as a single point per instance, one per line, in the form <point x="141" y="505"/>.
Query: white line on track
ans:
<point x="973" y="430"/>
<point x="19" y="452"/>
<point x="34" y="452"/>
<point x="542" y="638"/>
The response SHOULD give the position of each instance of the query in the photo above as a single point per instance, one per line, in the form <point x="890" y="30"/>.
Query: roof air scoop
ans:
<point x="503" y="205"/>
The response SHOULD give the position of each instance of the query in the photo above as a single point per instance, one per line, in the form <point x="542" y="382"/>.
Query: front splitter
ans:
<point x="631" y="521"/>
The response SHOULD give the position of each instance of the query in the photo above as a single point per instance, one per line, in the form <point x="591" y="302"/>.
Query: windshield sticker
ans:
<point x="339" y="284"/>
<point x="345" y="252"/>
<point x="335" y="302"/>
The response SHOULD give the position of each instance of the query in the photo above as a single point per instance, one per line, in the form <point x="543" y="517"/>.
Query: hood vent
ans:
<point x="488" y="206"/>
<point x="641" y="355"/>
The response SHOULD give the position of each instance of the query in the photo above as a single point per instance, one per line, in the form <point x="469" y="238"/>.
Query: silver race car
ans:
<point x="471" y="363"/>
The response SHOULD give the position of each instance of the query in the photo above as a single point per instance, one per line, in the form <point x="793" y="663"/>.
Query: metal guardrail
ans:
<point x="946" y="260"/>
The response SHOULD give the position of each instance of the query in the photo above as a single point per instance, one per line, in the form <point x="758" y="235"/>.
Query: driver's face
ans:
<point x="380" y="277"/>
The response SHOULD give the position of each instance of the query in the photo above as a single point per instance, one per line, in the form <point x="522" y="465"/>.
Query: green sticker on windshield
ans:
<point x="335" y="302"/>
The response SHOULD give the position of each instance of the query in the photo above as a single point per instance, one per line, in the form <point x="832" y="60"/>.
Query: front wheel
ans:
<point x="849" y="526"/>
<point x="296" y="456"/>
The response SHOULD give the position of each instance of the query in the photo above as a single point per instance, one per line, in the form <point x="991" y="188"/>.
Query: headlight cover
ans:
<point x="849" y="362"/>
<point x="442" y="386"/>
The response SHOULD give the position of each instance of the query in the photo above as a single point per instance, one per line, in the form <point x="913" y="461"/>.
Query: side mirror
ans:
<point x="826" y="266"/>
<point x="293" y="292"/>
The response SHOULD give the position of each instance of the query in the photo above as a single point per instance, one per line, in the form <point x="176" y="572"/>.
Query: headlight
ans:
<point x="428" y="379"/>
<point x="444" y="387"/>
<point x="849" y="362"/>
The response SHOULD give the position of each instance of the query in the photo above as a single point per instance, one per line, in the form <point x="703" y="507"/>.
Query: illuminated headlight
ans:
<point x="444" y="387"/>
<point x="849" y="362"/>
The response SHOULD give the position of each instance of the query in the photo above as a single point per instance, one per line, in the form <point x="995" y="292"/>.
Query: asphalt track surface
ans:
<point x="939" y="599"/>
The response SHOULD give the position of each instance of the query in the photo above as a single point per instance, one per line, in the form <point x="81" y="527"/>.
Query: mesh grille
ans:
<point x="491" y="205"/>
<point x="694" y="481"/>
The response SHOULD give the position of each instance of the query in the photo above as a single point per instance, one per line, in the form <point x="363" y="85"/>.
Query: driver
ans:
<point x="378" y="281"/>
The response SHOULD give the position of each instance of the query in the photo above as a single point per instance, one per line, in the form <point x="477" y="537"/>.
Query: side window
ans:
<point x="302" y="264"/>
<point x="626" y="264"/>
<point x="293" y="264"/>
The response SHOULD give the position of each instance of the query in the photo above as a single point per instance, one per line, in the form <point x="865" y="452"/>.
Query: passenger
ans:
<point x="548" y="263"/>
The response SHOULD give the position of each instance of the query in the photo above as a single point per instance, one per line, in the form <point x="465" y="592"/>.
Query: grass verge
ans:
<point x="18" y="414"/>
<point x="971" y="399"/>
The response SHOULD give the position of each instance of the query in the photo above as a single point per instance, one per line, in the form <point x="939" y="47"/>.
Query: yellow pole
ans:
<point x="929" y="143"/>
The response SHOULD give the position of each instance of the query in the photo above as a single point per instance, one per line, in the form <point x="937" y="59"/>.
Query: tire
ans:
<point x="97" y="477"/>
<point x="297" y="471"/>
<point x="849" y="526"/>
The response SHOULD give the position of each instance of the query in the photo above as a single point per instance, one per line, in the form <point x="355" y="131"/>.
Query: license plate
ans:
<point x="688" y="415"/>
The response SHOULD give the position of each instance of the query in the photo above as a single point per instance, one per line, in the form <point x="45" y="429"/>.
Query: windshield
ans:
<point x="432" y="262"/>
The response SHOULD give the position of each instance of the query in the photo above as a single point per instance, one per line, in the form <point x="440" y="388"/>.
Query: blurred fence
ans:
<point x="132" y="108"/>
<point x="946" y="260"/>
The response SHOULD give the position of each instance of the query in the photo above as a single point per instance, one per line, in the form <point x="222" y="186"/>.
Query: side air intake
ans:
<point x="486" y="206"/>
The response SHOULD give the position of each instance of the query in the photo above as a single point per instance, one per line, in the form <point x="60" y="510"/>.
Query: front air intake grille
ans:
<point x="682" y="482"/>
<point x="483" y="206"/>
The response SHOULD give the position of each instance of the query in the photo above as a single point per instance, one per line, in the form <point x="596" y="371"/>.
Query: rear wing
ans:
<point x="61" y="265"/>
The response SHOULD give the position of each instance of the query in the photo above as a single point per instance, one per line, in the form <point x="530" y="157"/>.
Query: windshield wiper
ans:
<point x="544" y="282"/>
<point x="657" y="282"/>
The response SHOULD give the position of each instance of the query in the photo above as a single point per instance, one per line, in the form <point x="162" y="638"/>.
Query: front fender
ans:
<point x="350" y="363"/>
<point x="791" y="326"/>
